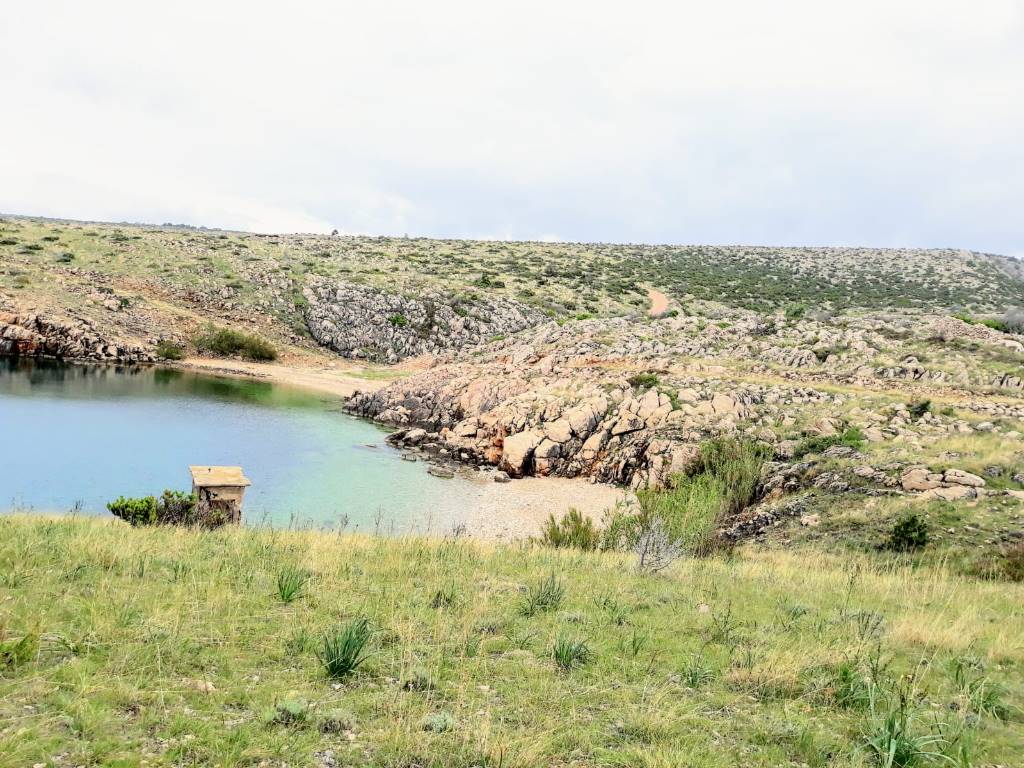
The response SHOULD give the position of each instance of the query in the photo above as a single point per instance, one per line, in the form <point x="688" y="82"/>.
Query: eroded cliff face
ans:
<point x="36" y="335"/>
<point x="359" y="321"/>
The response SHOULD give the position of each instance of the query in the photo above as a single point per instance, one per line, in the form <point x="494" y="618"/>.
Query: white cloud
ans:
<point x="869" y="122"/>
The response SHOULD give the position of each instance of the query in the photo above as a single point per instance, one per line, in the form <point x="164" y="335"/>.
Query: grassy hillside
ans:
<point x="266" y="274"/>
<point x="124" y="647"/>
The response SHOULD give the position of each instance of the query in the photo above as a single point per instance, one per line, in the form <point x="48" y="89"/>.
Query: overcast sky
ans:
<point x="859" y="123"/>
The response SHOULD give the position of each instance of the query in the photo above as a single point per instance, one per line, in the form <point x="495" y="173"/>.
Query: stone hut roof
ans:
<point x="207" y="477"/>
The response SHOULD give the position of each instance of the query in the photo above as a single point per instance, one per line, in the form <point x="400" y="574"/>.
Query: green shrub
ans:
<point x="15" y="653"/>
<point x="572" y="531"/>
<point x="290" y="712"/>
<point x="343" y="650"/>
<point x="418" y="679"/>
<point x="438" y="722"/>
<point x="682" y="518"/>
<point x="1007" y="566"/>
<point x="919" y="408"/>
<point x="226" y="342"/>
<point x="444" y="597"/>
<point x="169" y="350"/>
<point x="141" y="511"/>
<point x="737" y="464"/>
<point x="851" y="437"/>
<point x="996" y="325"/>
<point x="399" y="321"/>
<point x="795" y="311"/>
<point x="335" y="721"/>
<point x="910" y="532"/>
<point x="543" y="597"/>
<point x="172" y="508"/>
<point x="644" y="381"/>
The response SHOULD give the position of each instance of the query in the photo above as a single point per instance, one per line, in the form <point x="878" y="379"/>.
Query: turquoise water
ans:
<point x="75" y="437"/>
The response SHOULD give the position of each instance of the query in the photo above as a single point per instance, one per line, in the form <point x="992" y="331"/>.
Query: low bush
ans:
<point x="644" y="380"/>
<point x="438" y="722"/>
<point x="227" y="342"/>
<point x="919" y="408"/>
<point x="1008" y="565"/>
<point x="399" y="321"/>
<point x="682" y="518"/>
<point x="290" y="712"/>
<point x="851" y="437"/>
<point x="909" y="533"/>
<point x="172" y="508"/>
<point x="572" y="531"/>
<point x="169" y="350"/>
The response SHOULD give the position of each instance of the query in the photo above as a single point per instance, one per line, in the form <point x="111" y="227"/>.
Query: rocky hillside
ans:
<point x="360" y="321"/>
<point x="262" y="280"/>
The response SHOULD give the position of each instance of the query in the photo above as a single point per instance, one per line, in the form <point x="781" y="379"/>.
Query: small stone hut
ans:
<point x="219" y="492"/>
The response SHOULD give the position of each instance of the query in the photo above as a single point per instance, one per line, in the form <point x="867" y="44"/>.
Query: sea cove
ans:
<point x="78" y="436"/>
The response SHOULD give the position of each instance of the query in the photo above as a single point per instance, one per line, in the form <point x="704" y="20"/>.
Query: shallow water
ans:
<point x="75" y="437"/>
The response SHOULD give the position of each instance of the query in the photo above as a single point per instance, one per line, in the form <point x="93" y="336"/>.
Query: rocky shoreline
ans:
<point x="36" y="335"/>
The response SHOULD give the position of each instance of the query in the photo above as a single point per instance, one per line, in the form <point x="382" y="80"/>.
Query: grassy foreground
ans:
<point x="123" y="646"/>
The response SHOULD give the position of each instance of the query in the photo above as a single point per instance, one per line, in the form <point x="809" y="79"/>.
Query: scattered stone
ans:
<point x="959" y="477"/>
<point x="952" y="493"/>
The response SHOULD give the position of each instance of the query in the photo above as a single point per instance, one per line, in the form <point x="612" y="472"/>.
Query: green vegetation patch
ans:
<point x="227" y="342"/>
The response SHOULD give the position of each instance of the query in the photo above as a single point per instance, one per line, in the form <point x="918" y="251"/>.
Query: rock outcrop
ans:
<point x="33" y="335"/>
<point x="359" y="321"/>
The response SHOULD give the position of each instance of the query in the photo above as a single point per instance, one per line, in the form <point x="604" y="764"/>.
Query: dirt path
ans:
<point x="659" y="302"/>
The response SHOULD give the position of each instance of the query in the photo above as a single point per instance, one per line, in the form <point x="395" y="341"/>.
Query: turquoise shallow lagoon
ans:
<point x="75" y="437"/>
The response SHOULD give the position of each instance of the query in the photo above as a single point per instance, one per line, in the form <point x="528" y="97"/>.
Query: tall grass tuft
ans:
<point x="545" y="596"/>
<point x="290" y="583"/>
<point x="569" y="653"/>
<point x="343" y="650"/>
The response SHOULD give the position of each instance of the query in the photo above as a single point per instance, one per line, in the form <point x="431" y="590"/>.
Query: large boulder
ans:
<point x="959" y="477"/>
<point x="517" y="452"/>
<point x="920" y="479"/>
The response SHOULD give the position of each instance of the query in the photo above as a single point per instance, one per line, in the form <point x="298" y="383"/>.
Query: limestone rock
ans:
<point x="517" y="452"/>
<point x="959" y="477"/>
<point x="920" y="479"/>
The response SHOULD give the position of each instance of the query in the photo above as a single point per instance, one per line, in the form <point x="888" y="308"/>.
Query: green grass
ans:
<point x="163" y="646"/>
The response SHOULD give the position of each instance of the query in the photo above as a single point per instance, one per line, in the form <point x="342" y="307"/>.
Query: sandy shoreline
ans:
<point x="339" y="379"/>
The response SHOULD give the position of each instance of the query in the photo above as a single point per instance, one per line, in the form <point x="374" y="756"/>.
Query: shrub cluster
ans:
<point x="852" y="437"/>
<point x="682" y="518"/>
<point x="227" y="342"/>
<point x="573" y="530"/>
<point x="168" y="350"/>
<point x="910" y="532"/>
<point x="172" y="508"/>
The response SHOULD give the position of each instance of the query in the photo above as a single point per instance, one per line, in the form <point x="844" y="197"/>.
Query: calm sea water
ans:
<point x="76" y="436"/>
